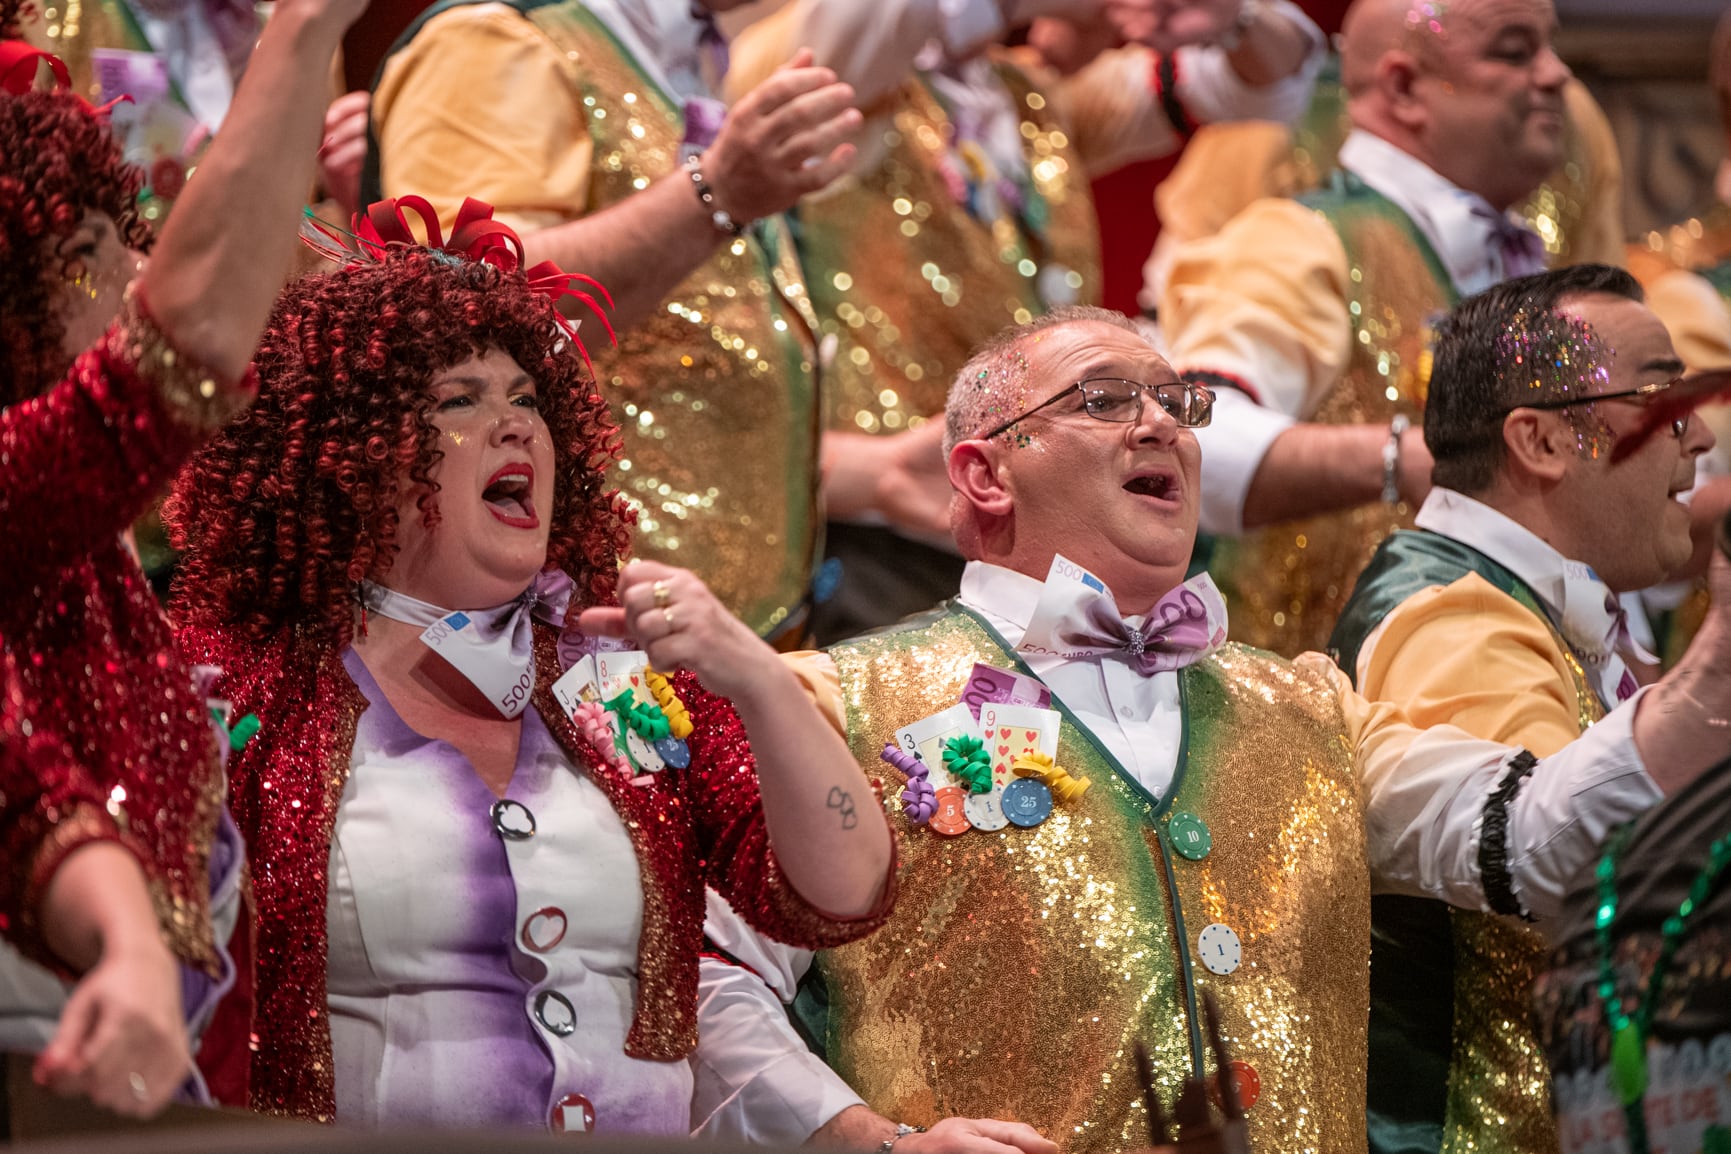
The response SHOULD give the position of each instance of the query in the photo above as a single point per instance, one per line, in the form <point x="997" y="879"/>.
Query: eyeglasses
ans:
<point x="1120" y="401"/>
<point x="1640" y="393"/>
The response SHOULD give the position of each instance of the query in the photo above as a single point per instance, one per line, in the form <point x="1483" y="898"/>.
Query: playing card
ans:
<point x="622" y="670"/>
<point x="925" y="739"/>
<point x="576" y="685"/>
<point x="1011" y="729"/>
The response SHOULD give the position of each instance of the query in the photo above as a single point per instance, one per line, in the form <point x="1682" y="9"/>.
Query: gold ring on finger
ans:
<point x="663" y="594"/>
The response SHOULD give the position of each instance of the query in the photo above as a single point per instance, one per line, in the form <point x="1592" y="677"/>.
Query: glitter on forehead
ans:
<point x="1426" y="16"/>
<point x="1546" y="357"/>
<point x="990" y="395"/>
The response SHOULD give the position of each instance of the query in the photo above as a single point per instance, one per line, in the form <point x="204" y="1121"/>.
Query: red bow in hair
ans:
<point x="475" y="236"/>
<point x="18" y="62"/>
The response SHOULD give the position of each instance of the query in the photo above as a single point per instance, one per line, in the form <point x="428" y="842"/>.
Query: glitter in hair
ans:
<point x="1544" y="357"/>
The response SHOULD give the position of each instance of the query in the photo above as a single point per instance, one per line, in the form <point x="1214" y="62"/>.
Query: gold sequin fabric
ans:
<point x="119" y="739"/>
<point x="716" y="393"/>
<point x="1020" y="966"/>
<point x="1499" y="1091"/>
<point x="691" y="828"/>
<point x="910" y="282"/>
<point x="1285" y="585"/>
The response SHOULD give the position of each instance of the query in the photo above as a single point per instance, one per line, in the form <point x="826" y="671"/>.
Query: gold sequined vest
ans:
<point x="910" y="282"/>
<point x="1286" y="584"/>
<point x="1020" y="966"/>
<point x="1454" y="1053"/>
<point x="717" y="391"/>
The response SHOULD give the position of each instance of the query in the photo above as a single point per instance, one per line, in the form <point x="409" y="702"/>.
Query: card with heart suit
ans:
<point x="618" y="671"/>
<point x="1010" y="729"/>
<point x="925" y="739"/>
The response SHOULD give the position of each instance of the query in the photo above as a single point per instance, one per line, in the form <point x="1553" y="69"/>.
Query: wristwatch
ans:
<point x="902" y="1131"/>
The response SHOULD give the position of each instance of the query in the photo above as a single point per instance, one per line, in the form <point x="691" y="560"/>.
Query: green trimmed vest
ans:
<point x="716" y="392"/>
<point x="1285" y="585"/>
<point x="1455" y="1064"/>
<point x="1021" y="966"/>
<point x="910" y="282"/>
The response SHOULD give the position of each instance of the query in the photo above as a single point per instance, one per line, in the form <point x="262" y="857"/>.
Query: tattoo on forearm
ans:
<point x="841" y="801"/>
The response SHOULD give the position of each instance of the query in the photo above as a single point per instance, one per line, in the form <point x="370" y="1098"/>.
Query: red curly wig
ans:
<point x="58" y="161"/>
<point x="283" y="512"/>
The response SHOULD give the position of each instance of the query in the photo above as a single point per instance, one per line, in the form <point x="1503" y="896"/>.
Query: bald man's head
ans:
<point x="1470" y="87"/>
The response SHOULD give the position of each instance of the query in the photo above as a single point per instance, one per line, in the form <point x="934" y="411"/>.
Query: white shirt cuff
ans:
<point x="1211" y="91"/>
<point x="1233" y="445"/>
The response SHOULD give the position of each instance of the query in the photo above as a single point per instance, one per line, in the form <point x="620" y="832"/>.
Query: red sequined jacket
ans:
<point x="703" y="825"/>
<point x="104" y="734"/>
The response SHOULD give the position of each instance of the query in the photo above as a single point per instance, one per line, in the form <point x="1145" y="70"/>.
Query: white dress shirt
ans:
<point x="756" y="1081"/>
<point x="1582" y="606"/>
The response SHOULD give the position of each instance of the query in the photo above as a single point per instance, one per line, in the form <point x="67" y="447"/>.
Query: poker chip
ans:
<point x="951" y="817"/>
<point x="674" y="752"/>
<point x="984" y="812"/>
<point x="1027" y="802"/>
<point x="1189" y="836"/>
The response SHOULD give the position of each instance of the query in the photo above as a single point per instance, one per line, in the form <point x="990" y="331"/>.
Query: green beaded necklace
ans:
<point x="1629" y="1033"/>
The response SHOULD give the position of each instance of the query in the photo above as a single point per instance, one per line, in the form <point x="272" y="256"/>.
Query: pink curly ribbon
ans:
<point x="919" y="799"/>
<point x="592" y="722"/>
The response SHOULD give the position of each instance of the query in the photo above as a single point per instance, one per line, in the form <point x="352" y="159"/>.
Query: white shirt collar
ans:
<point x="1573" y="593"/>
<point x="1459" y="225"/>
<point x="663" y="36"/>
<point x="1003" y="596"/>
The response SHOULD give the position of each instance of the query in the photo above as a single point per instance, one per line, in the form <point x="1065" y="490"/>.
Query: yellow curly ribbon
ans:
<point x="1035" y="764"/>
<point x="670" y="704"/>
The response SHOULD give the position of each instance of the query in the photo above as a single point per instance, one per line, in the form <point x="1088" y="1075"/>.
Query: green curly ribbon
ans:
<point x="966" y="760"/>
<point x="646" y="721"/>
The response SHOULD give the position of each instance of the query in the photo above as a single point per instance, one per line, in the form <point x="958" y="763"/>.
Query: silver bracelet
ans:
<point x="1391" y="459"/>
<point x="902" y="1131"/>
<point x="717" y="216"/>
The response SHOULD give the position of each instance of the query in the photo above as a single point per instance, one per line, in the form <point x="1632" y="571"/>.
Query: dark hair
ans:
<point x="58" y="161"/>
<point x="1470" y="392"/>
<point x="293" y="503"/>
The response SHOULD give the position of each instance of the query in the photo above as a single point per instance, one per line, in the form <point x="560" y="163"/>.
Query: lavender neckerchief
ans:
<point x="1522" y="250"/>
<point x="703" y="115"/>
<point x="493" y="648"/>
<point x="1077" y="618"/>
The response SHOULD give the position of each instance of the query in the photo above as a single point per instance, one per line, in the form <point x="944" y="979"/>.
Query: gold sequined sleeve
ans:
<point x="1469" y="655"/>
<point x="1599" y="235"/>
<point x="481" y="104"/>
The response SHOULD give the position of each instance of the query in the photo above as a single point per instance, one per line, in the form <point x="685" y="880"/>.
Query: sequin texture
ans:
<point x="118" y="744"/>
<point x="689" y="828"/>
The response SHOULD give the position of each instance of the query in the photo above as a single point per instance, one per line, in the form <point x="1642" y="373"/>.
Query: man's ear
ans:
<point x="1397" y="77"/>
<point x="1538" y="444"/>
<point x="976" y="473"/>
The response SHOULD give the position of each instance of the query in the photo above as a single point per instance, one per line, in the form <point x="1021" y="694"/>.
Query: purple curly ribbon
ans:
<point x="919" y="799"/>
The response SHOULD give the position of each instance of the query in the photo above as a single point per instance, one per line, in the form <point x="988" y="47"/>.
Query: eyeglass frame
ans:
<point x="1139" y="391"/>
<point x="1640" y="392"/>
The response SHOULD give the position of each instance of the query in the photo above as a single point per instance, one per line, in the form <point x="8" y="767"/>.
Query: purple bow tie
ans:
<point x="1077" y="617"/>
<point x="1522" y="249"/>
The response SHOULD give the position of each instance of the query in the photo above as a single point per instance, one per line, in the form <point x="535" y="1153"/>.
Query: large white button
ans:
<point x="513" y="820"/>
<point x="554" y="1011"/>
<point x="1219" y="948"/>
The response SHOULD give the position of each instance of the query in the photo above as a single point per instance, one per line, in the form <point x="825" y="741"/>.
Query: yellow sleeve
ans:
<point x="1598" y="238"/>
<point x="481" y="104"/>
<point x="870" y="46"/>
<point x="1224" y="170"/>
<point x="1264" y="301"/>
<point x="1112" y="111"/>
<point x="1471" y="656"/>
<point x="1695" y="315"/>
<point x="816" y="670"/>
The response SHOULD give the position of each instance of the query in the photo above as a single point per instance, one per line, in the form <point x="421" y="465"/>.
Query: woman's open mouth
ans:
<point x="508" y="496"/>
